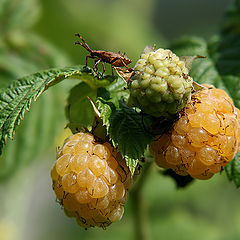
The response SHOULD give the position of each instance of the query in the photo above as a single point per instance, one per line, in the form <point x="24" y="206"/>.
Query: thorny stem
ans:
<point x="138" y="205"/>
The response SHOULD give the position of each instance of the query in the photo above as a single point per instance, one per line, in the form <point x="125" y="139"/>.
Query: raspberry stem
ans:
<point x="139" y="205"/>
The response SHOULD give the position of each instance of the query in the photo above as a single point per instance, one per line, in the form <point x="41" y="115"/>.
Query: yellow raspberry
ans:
<point x="204" y="139"/>
<point x="91" y="181"/>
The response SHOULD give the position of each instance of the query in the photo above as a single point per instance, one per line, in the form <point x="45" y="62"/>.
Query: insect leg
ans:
<point x="95" y="66"/>
<point x="112" y="70"/>
<point x="78" y="35"/>
<point x="88" y="56"/>
<point x="84" y="44"/>
<point x="128" y="68"/>
<point x="104" y="69"/>
<point x="77" y="42"/>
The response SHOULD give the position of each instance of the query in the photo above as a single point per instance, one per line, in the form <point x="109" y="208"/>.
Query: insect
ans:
<point x="115" y="59"/>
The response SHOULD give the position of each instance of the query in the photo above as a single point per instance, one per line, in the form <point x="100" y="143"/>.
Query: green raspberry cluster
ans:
<point x="160" y="85"/>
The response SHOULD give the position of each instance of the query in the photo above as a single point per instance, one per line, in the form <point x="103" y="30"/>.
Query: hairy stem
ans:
<point x="139" y="207"/>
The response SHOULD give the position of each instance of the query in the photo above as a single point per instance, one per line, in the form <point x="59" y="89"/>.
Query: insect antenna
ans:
<point x="84" y="44"/>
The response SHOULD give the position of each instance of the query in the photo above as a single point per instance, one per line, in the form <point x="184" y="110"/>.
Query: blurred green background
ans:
<point x="36" y="35"/>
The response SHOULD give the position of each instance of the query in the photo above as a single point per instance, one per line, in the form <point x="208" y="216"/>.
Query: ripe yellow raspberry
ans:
<point x="160" y="85"/>
<point x="91" y="181"/>
<point x="204" y="139"/>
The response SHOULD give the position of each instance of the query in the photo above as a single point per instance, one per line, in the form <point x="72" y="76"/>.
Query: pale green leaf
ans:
<point x="131" y="163"/>
<point x="79" y="110"/>
<point x="105" y="110"/>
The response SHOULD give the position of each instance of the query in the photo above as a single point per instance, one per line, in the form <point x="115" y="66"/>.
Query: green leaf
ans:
<point x="21" y="54"/>
<point x="37" y="134"/>
<point x="125" y="126"/>
<point x="190" y="46"/>
<point x="18" y="97"/>
<point x="105" y="110"/>
<point x="228" y="170"/>
<point x="118" y="90"/>
<point x="79" y="110"/>
<point x="109" y="97"/>
<point x="203" y="70"/>
<point x="131" y="163"/>
<point x="128" y="132"/>
<point x="227" y="54"/>
<point x="232" y="83"/>
<point x="233" y="170"/>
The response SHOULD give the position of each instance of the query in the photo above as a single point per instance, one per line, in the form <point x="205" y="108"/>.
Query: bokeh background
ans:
<point x="36" y="35"/>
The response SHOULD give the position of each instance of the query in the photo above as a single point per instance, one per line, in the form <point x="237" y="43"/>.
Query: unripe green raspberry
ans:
<point x="160" y="85"/>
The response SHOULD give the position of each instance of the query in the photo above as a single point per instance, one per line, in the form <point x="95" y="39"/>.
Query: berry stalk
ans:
<point x="139" y="205"/>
